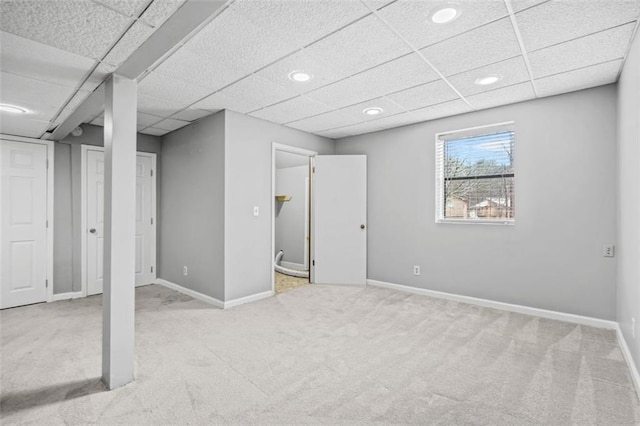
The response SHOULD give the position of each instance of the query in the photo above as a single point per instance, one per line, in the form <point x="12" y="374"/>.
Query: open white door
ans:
<point x="339" y="219"/>
<point x="23" y="249"/>
<point x="145" y="226"/>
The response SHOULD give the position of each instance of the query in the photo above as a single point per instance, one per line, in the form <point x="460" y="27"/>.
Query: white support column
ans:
<point x="119" y="231"/>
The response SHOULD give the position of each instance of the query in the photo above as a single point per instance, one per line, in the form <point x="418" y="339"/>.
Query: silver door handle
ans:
<point x="92" y="230"/>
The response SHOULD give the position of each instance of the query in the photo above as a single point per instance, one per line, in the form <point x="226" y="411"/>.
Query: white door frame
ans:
<point x="292" y="150"/>
<point x="83" y="189"/>
<point x="50" y="165"/>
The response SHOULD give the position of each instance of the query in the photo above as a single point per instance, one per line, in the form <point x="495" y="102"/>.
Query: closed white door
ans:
<point x="339" y="219"/>
<point x="145" y="226"/>
<point x="23" y="249"/>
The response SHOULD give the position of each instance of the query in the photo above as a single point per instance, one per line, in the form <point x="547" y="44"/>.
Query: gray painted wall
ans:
<point x="565" y="190"/>
<point x="67" y="203"/>
<point x="192" y="206"/>
<point x="629" y="199"/>
<point x="290" y="215"/>
<point x="248" y="263"/>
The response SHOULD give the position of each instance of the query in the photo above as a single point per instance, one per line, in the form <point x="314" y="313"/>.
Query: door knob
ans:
<point x="362" y="226"/>
<point x="92" y="230"/>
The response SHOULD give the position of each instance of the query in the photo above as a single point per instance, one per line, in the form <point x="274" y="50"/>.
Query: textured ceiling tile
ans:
<point x="81" y="27"/>
<point x="359" y="129"/>
<point x="42" y="99"/>
<point x="424" y="95"/>
<point x="413" y="19"/>
<point x="39" y="61"/>
<point x="170" y="88"/>
<point x="513" y="71"/>
<point x="147" y="119"/>
<point x="291" y="110"/>
<point x="257" y="92"/>
<point x="505" y="95"/>
<point x="596" y="48"/>
<point x="220" y="100"/>
<point x="290" y="20"/>
<point x="360" y="46"/>
<point x="126" y="7"/>
<point x="170" y="124"/>
<point x="325" y="121"/>
<point x="583" y="78"/>
<point x="302" y="60"/>
<point x="333" y="134"/>
<point x="557" y="21"/>
<point x="377" y="4"/>
<point x="128" y="44"/>
<point x="395" y="121"/>
<point x="518" y="5"/>
<point x="441" y="110"/>
<point x="157" y="106"/>
<point x="482" y="46"/>
<point x="160" y="10"/>
<point x="18" y="126"/>
<point x="191" y="114"/>
<point x="235" y="43"/>
<point x="154" y="132"/>
<point x="388" y="107"/>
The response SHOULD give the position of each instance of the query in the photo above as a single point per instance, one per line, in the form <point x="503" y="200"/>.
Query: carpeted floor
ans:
<point x="284" y="282"/>
<point x="314" y="355"/>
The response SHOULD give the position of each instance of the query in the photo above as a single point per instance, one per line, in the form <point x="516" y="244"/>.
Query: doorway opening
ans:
<point x="291" y="230"/>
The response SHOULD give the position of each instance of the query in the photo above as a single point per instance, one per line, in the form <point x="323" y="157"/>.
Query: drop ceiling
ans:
<point x="360" y="54"/>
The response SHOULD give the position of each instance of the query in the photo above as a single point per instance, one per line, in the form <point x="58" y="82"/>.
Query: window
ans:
<point x="475" y="175"/>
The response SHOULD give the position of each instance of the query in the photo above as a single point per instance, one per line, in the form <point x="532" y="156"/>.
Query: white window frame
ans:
<point x="439" y="180"/>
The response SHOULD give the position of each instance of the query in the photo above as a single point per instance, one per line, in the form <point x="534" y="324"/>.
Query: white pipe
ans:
<point x="287" y="271"/>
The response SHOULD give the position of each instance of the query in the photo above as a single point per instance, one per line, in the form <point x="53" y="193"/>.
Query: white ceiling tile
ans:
<point x="413" y="19"/>
<point x="170" y="124"/>
<point x="18" y="126"/>
<point x="596" y="48"/>
<point x="220" y="100"/>
<point x="81" y="27"/>
<point x="359" y="46"/>
<point x="359" y="129"/>
<point x="302" y="60"/>
<point x="257" y="93"/>
<point x="518" y="5"/>
<point x="42" y="99"/>
<point x="235" y="43"/>
<point x="378" y="4"/>
<point x="128" y="44"/>
<point x="482" y="46"/>
<point x="512" y="70"/>
<point x="395" y="120"/>
<point x="157" y="106"/>
<point x="424" y="95"/>
<point x="171" y="88"/>
<point x="326" y="121"/>
<point x="388" y="107"/>
<point x="505" y="95"/>
<point x="557" y="21"/>
<point x="291" y="110"/>
<point x="160" y="10"/>
<point x="290" y="20"/>
<point x="78" y="98"/>
<point x="582" y="78"/>
<point x="390" y="77"/>
<point x="444" y="109"/>
<point x="147" y="119"/>
<point x="39" y="61"/>
<point x="191" y="114"/>
<point x="333" y="134"/>
<point x="126" y="7"/>
<point x="154" y="132"/>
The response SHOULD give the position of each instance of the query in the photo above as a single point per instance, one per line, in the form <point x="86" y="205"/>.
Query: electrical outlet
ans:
<point x="608" y="250"/>
<point x="633" y="327"/>
<point x="185" y="271"/>
<point x="416" y="270"/>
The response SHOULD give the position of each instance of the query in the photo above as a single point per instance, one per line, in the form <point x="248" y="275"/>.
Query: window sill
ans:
<point x="506" y="222"/>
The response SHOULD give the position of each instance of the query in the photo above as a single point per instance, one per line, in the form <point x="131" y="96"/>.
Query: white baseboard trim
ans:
<point x="630" y="362"/>
<point x="67" y="296"/>
<point x="196" y="295"/>
<point x="248" y="299"/>
<point x="561" y="316"/>
<point x="292" y="265"/>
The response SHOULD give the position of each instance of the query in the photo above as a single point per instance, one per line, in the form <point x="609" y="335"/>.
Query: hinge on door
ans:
<point x="314" y="169"/>
<point x="47" y="224"/>
<point x="46" y="283"/>
<point x="152" y="221"/>
<point x="152" y="269"/>
<point x="313" y="262"/>
<point x="151" y="172"/>
<point x="47" y="163"/>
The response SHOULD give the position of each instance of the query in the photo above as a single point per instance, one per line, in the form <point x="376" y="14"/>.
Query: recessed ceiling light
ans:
<point x="300" y="76"/>
<point x="12" y="109"/>
<point x="489" y="79"/>
<point x="373" y="111"/>
<point x="445" y="15"/>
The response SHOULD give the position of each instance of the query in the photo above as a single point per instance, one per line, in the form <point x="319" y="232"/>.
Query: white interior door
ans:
<point x="339" y="219"/>
<point x="145" y="226"/>
<point x="23" y="249"/>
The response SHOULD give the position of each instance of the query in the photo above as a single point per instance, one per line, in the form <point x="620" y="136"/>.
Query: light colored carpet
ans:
<point x="314" y="355"/>
<point x="284" y="282"/>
